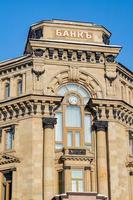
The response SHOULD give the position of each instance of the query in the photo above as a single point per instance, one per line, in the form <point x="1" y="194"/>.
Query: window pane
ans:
<point x="74" y="189"/>
<point x="69" y="138"/>
<point x="131" y="146"/>
<point x="7" y="90"/>
<point x="83" y="92"/>
<point x="9" y="139"/>
<point x="77" y="174"/>
<point x="87" y="125"/>
<point x="58" y="127"/>
<point x="62" y="90"/>
<point x="77" y="139"/>
<point x="73" y="116"/>
<point x="73" y="87"/>
<point x="58" y="146"/>
<point x="19" y="87"/>
<point x="80" y="186"/>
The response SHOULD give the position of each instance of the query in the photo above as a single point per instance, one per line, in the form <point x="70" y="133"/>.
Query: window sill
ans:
<point x="9" y="151"/>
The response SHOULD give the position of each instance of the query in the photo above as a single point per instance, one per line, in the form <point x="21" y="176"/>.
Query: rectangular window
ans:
<point x="58" y="131"/>
<point x="7" y="90"/>
<point x="69" y="139"/>
<point x="58" y="127"/>
<point x="9" y="138"/>
<point x="87" y="130"/>
<point x="77" y="139"/>
<point x="19" y="87"/>
<point x="73" y="116"/>
<point x="131" y="142"/>
<point x="77" y="180"/>
<point x="7" y="186"/>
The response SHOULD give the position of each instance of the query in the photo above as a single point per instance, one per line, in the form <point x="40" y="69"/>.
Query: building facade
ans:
<point x="66" y="117"/>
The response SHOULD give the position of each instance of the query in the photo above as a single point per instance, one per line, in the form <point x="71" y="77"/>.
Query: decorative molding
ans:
<point x="110" y="58"/>
<point x="101" y="125"/>
<point x="6" y="158"/>
<point x="16" y="67"/>
<point x="130" y="173"/>
<point x="107" y="109"/>
<point x="49" y="122"/>
<point x="78" y="76"/>
<point x="29" y="105"/>
<point x="73" y="55"/>
<point x="38" y="52"/>
<point x="37" y="73"/>
<point x="87" y="168"/>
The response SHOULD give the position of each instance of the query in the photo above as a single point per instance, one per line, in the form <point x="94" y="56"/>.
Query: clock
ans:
<point x="73" y="100"/>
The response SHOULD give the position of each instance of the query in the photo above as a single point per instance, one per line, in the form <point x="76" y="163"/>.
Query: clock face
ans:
<point x="73" y="100"/>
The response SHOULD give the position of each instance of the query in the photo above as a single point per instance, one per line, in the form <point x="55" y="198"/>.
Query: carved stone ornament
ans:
<point x="49" y="122"/>
<point x="110" y="58"/>
<point x="105" y="39"/>
<point x="38" y="52"/>
<point x="38" y="73"/>
<point x="111" y="74"/>
<point x="101" y="125"/>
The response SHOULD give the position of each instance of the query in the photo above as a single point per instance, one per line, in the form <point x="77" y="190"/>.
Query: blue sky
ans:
<point x="17" y="15"/>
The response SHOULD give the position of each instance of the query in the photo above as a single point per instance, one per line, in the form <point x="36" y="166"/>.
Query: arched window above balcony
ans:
<point x="73" y="127"/>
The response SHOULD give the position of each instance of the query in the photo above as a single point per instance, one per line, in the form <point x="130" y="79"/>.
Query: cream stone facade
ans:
<point x="66" y="117"/>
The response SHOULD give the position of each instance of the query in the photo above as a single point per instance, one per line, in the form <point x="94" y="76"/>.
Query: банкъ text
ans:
<point x="73" y="34"/>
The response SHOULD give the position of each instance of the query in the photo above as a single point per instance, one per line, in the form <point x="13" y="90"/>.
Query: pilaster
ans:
<point x="48" y="158"/>
<point x="102" y="174"/>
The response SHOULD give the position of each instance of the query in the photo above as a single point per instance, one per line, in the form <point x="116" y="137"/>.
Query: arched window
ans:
<point x="73" y="127"/>
<point x="7" y="89"/>
<point x="19" y="87"/>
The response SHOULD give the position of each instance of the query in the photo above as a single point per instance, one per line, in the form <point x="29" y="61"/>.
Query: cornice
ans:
<point x="77" y="154"/>
<point x="81" y="195"/>
<point x="74" y="46"/>
<point x="125" y="75"/>
<point x="11" y="68"/>
<point x="6" y="158"/>
<point x="107" y="109"/>
<point x="31" y="104"/>
<point x="15" y="61"/>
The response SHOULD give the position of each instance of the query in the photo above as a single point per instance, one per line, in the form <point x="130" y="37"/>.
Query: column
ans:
<point x="48" y="158"/>
<point x="93" y="180"/>
<point x="102" y="175"/>
<point x="87" y="185"/>
<point x="67" y="179"/>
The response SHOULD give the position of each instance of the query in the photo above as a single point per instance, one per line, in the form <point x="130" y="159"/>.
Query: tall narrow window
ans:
<point x="87" y="129"/>
<point x="7" y="90"/>
<point x="19" y="87"/>
<point x="9" y="138"/>
<point x="131" y="142"/>
<point x="7" y="186"/>
<point x="58" y="131"/>
<point x="77" y="180"/>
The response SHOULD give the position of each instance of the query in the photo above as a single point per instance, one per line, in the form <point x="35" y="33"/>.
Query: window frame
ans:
<point x="7" y="184"/>
<point x="7" y="92"/>
<point x="78" y="179"/>
<point x="131" y="143"/>
<point x="5" y="132"/>
<point x="81" y="129"/>
<point x="18" y="92"/>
